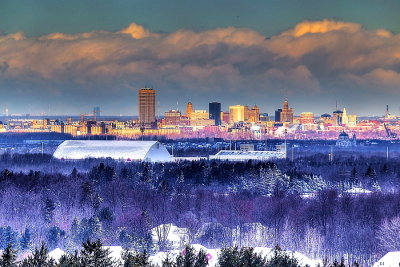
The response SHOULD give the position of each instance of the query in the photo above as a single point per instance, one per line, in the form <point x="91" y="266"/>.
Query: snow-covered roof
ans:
<point x="125" y="150"/>
<point x="56" y="254"/>
<point x="358" y="190"/>
<point x="115" y="252"/>
<point x="237" y="155"/>
<point x="391" y="259"/>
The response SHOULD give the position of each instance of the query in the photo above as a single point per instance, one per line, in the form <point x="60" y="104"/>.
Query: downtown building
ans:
<point x="214" y="111"/>
<point x="285" y="114"/>
<point x="147" y="107"/>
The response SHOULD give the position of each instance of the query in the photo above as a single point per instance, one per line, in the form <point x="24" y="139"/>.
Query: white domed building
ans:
<point x="345" y="141"/>
<point x="152" y="151"/>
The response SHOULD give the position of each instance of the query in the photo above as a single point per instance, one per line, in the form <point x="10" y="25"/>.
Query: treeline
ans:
<point x="93" y="254"/>
<point x="300" y="205"/>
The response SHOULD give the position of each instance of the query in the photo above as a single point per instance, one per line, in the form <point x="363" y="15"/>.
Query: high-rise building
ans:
<point x="214" y="111"/>
<point x="236" y="113"/>
<point x="189" y="109"/>
<point x="337" y="118"/>
<point x="253" y="114"/>
<point x="285" y="114"/>
<point x="147" y="106"/>
<point x="345" y="119"/>
<point x="278" y="115"/>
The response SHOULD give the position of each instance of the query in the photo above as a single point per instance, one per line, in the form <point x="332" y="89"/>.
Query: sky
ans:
<point x="65" y="57"/>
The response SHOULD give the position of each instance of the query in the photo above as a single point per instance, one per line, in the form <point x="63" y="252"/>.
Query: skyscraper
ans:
<point x="285" y="114"/>
<point x="214" y="111"/>
<point x="253" y="114"/>
<point x="147" y="106"/>
<point x="189" y="110"/>
<point x="236" y="113"/>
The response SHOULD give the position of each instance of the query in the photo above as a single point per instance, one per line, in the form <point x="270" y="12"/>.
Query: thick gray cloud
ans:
<point x="313" y="59"/>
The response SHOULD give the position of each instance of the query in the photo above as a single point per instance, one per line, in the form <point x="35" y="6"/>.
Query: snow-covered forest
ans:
<point x="346" y="208"/>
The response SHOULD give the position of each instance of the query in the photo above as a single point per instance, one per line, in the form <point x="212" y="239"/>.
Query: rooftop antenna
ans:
<point x="387" y="110"/>
<point x="336" y="105"/>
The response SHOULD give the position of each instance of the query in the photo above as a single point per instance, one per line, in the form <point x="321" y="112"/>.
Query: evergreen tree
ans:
<point x="353" y="176"/>
<point x="25" y="240"/>
<point x="7" y="236"/>
<point x="39" y="258"/>
<point x="48" y="210"/>
<point x="229" y="257"/>
<point x="189" y="258"/>
<point x="93" y="255"/>
<point x="74" y="173"/>
<point x="70" y="260"/>
<point x="370" y="172"/>
<point x="54" y="236"/>
<point x="167" y="262"/>
<point x="9" y="257"/>
<point x="280" y="258"/>
<point x="106" y="216"/>
<point x="136" y="259"/>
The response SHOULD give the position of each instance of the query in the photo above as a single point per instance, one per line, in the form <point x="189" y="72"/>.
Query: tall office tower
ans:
<point x="189" y="109"/>
<point x="337" y="118"/>
<point x="214" y="111"/>
<point x="147" y="106"/>
<point x="253" y="114"/>
<point x="278" y="115"/>
<point x="236" y="113"/>
<point x="286" y="115"/>
<point x="345" y="118"/>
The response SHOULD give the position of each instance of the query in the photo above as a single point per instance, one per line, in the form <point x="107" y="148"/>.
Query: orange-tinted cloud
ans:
<point x="136" y="31"/>
<point x="323" y="26"/>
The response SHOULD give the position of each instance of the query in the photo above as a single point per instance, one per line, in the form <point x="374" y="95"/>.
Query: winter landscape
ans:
<point x="212" y="133"/>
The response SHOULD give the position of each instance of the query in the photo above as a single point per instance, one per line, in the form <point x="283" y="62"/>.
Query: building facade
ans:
<point x="236" y="113"/>
<point x="285" y="114"/>
<point x="147" y="106"/>
<point x="189" y="110"/>
<point x="214" y="111"/>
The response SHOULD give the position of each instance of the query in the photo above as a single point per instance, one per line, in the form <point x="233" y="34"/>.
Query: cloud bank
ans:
<point x="313" y="57"/>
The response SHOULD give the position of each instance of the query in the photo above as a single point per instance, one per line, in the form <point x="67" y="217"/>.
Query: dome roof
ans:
<point x="343" y="134"/>
<point x="122" y="150"/>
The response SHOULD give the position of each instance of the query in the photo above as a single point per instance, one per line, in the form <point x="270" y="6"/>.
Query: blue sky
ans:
<point x="268" y="17"/>
<point x="65" y="57"/>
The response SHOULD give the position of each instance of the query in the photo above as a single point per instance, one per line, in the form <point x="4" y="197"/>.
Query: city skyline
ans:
<point x="312" y="58"/>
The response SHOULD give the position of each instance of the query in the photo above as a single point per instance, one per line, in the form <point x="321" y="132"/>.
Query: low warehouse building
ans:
<point x="152" y="151"/>
<point x="237" y="155"/>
